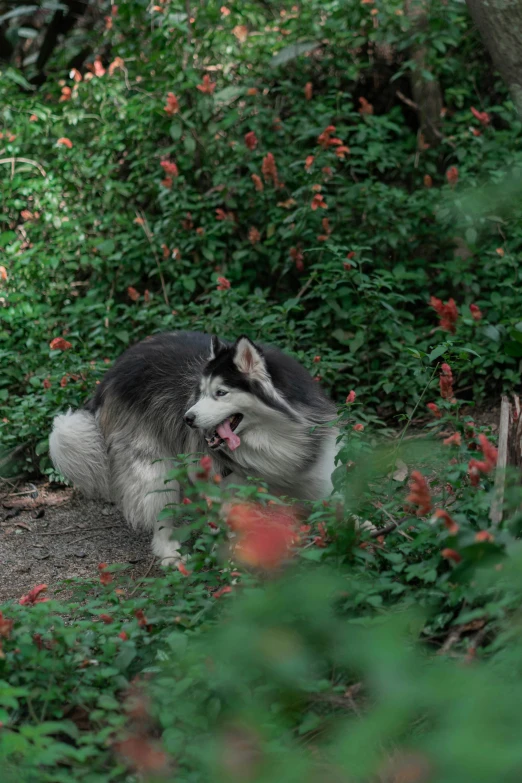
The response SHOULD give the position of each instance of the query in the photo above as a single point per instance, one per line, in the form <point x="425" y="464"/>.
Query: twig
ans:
<point x="14" y="160"/>
<point x="406" y="100"/>
<point x="142" y="578"/>
<point x="148" y="234"/>
<point x="495" y="513"/>
<point x="306" y="286"/>
<point x="394" y="523"/>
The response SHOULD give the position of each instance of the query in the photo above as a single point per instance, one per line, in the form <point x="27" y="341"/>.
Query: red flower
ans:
<point x="223" y="284"/>
<point x="366" y="107"/>
<point x="66" y="94"/>
<point x="453" y="440"/>
<point x="342" y="151"/>
<point x="123" y="635"/>
<point x="143" y="754"/>
<point x="351" y="397"/>
<point x="324" y="138"/>
<point x="205" y="465"/>
<point x="475" y="312"/>
<point x="308" y="162"/>
<point x="451" y="554"/>
<point x="265" y="534"/>
<point x="419" y="493"/>
<point x="66" y="142"/>
<point x="308" y="91"/>
<point x="428" y="182"/>
<point x="33" y="596"/>
<point x="133" y="294"/>
<point x="489" y="451"/>
<point x="105" y="577"/>
<point x="452" y="175"/>
<point x="59" y="344"/>
<point x="434" y="409"/>
<point x="448" y="313"/>
<point x="142" y="620"/>
<point x="358" y="427"/>
<point x="187" y="223"/>
<point x="167" y="182"/>
<point x="482" y="116"/>
<point x="222" y="591"/>
<point x="251" y="140"/>
<point x="269" y="169"/>
<point x="253" y="235"/>
<point x="3" y="273"/>
<point x="207" y="86"/>
<point x="483" y="535"/>
<point x="183" y="570"/>
<point x="298" y="258"/>
<point x="64" y="381"/>
<point x="106" y="618"/>
<point x="172" y="106"/>
<point x="446" y="382"/>
<point x="449" y="522"/>
<point x="6" y="626"/>
<point x="318" y="202"/>
<point x="258" y="184"/>
<point x="46" y="383"/>
<point x="169" y="167"/>
<point x="186" y="501"/>
<point x="222" y="214"/>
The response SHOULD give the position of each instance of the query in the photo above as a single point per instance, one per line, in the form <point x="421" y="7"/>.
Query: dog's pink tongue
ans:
<point x="226" y="432"/>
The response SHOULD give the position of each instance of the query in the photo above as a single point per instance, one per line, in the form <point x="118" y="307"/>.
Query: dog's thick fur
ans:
<point x="142" y="410"/>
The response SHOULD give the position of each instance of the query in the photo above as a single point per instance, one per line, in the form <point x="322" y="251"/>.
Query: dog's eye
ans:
<point x="221" y="393"/>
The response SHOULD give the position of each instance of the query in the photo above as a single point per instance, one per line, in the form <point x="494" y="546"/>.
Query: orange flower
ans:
<point x="106" y="618"/>
<point x="46" y="383"/>
<point x="419" y="493"/>
<point x="6" y="626"/>
<point x="207" y="87"/>
<point x="309" y="91"/>
<point x="324" y="138"/>
<point x="116" y="63"/>
<point x="365" y="106"/>
<point x="98" y="68"/>
<point x="59" y="344"/>
<point x="222" y="591"/>
<point x="254" y="235"/>
<point x="447" y="313"/>
<point x="297" y="257"/>
<point x="258" y="184"/>
<point x="3" y="274"/>
<point x="452" y="175"/>
<point x="351" y="397"/>
<point x="265" y="535"/>
<point x="105" y="577"/>
<point x="223" y="284"/>
<point x="251" y="140"/>
<point x="449" y="522"/>
<point x="252" y="91"/>
<point x="66" y="94"/>
<point x="172" y="105"/>
<point x="482" y="116"/>
<point x="64" y="381"/>
<point x="133" y="294"/>
<point x="489" y="451"/>
<point x="500" y="252"/>
<point x="476" y="313"/>
<point x="434" y="409"/>
<point x="75" y="74"/>
<point x="428" y="182"/>
<point x="358" y="427"/>
<point x="446" y="382"/>
<point x="169" y="167"/>
<point x="308" y="162"/>
<point x="34" y="596"/>
<point x="318" y="201"/>
<point x="342" y="151"/>
<point x="224" y="11"/>
<point x="66" y="142"/>
<point x="221" y="214"/>
<point x="483" y="535"/>
<point x="269" y="169"/>
<point x="33" y="118"/>
<point x="453" y="440"/>
<point x="183" y="570"/>
<point x="451" y="554"/>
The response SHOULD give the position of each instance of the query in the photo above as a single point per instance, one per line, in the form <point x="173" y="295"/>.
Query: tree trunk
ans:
<point x="500" y="25"/>
<point x="426" y="92"/>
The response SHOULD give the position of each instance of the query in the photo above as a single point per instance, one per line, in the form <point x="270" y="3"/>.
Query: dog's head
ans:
<point x="236" y="395"/>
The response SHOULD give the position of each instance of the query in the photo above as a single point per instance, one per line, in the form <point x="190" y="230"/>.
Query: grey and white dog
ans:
<point x="257" y="411"/>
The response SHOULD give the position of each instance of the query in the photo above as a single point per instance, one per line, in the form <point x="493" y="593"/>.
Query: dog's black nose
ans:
<point x="190" y="418"/>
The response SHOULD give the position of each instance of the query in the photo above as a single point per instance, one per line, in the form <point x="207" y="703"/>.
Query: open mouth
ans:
<point x="225" y="433"/>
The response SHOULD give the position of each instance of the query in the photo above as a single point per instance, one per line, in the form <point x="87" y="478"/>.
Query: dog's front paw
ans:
<point x="167" y="552"/>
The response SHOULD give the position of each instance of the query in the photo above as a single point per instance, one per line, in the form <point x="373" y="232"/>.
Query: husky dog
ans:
<point x="255" y="410"/>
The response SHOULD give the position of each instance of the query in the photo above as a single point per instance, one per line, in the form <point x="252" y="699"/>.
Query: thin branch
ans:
<point x="495" y="513"/>
<point x="148" y="234"/>
<point x="12" y="161"/>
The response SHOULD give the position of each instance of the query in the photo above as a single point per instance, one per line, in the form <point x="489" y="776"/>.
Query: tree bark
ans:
<point x="500" y="25"/>
<point x="426" y="93"/>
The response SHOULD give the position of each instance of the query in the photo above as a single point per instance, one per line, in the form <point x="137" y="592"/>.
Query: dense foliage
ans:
<point x="258" y="167"/>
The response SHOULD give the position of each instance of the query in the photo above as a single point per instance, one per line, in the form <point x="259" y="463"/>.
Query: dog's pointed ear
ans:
<point x="215" y="347"/>
<point x="249" y="360"/>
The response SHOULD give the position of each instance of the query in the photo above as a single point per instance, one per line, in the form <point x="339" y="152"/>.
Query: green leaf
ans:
<point x="292" y="51"/>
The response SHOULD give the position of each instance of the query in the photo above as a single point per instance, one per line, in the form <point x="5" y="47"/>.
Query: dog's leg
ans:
<point x="163" y="545"/>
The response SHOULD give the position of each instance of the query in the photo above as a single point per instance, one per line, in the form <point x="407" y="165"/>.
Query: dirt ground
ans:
<point x="50" y="534"/>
